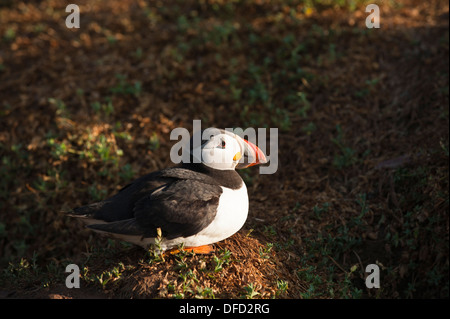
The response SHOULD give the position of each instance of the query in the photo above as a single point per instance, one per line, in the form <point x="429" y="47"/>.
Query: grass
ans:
<point x="78" y="132"/>
<point x="346" y="156"/>
<point x="124" y="87"/>
<point x="250" y="291"/>
<point x="108" y="276"/>
<point x="221" y="261"/>
<point x="103" y="108"/>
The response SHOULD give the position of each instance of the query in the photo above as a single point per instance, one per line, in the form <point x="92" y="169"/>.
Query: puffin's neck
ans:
<point x="227" y="178"/>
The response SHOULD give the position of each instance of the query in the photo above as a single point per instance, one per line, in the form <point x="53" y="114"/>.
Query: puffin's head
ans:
<point x="225" y="150"/>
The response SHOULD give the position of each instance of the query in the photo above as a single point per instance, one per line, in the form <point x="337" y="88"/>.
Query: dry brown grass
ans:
<point x="363" y="172"/>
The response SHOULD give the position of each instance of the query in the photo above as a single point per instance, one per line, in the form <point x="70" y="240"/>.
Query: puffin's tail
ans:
<point x="87" y="213"/>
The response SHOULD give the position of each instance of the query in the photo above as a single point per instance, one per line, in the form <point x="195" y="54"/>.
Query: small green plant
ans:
<point x="58" y="149"/>
<point x="348" y="290"/>
<point x="319" y="211"/>
<point x="221" y="34"/>
<point x="105" y="108"/>
<point x="154" y="142"/>
<point x="282" y="119"/>
<point x="347" y="156"/>
<point x="124" y="87"/>
<point x="97" y="192"/>
<point x="182" y="23"/>
<point x="107" y="276"/>
<point x="126" y="172"/>
<point x="308" y="273"/>
<point x="282" y="287"/>
<point x="61" y="108"/>
<point x="224" y="259"/>
<point x="9" y="35"/>
<point x="189" y="278"/>
<point x="269" y="231"/>
<point x="138" y="53"/>
<point x="362" y="202"/>
<point x="235" y="92"/>
<point x="266" y="251"/>
<point x="20" y="270"/>
<point x="370" y="84"/>
<point x="156" y="251"/>
<point x="205" y="293"/>
<point x="103" y="281"/>
<point x="309" y="128"/>
<point x="111" y="39"/>
<point x="303" y="104"/>
<point x="250" y="291"/>
<point x="107" y="150"/>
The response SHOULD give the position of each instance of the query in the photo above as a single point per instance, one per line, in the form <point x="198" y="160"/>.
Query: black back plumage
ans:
<point x="181" y="201"/>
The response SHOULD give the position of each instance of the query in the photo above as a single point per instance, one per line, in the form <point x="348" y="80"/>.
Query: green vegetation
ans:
<point x="363" y="143"/>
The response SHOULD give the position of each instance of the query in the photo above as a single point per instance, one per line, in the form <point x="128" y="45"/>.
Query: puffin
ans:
<point x="192" y="205"/>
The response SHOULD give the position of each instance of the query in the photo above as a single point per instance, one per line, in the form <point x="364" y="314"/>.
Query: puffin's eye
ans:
<point x="222" y="144"/>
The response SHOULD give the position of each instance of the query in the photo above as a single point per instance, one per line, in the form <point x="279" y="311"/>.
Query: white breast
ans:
<point x="231" y="215"/>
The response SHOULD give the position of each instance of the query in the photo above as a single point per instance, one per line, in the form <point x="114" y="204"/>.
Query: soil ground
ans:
<point x="363" y="141"/>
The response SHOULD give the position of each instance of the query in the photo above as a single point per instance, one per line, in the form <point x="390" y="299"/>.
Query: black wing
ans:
<point x="179" y="201"/>
<point x="181" y="208"/>
<point x="121" y="205"/>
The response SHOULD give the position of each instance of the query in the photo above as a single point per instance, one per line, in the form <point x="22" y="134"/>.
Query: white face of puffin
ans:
<point x="226" y="151"/>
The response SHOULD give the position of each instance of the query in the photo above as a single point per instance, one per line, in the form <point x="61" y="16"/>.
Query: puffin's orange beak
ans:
<point x="252" y="155"/>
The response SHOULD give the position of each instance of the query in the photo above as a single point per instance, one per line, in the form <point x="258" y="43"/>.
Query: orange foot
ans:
<point x="205" y="250"/>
